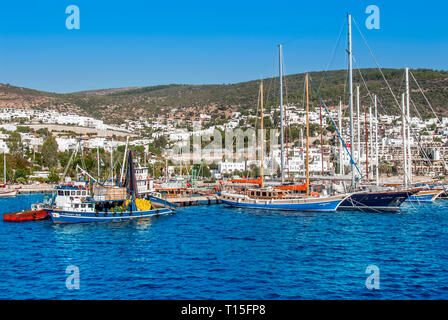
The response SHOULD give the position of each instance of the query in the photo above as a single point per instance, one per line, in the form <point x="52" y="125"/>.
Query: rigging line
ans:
<point x="333" y="54"/>
<point x="272" y="83"/>
<point x="419" y="141"/>
<point x="427" y="101"/>
<point x="365" y="84"/>
<point x="377" y="65"/>
<point x="337" y="130"/>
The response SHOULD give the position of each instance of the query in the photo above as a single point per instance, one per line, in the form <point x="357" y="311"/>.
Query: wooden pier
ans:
<point x="192" y="201"/>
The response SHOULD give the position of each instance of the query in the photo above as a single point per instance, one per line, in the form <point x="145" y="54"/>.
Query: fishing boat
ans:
<point x="78" y="202"/>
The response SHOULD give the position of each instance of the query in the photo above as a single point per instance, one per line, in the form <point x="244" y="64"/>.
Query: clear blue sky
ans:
<point x="139" y="43"/>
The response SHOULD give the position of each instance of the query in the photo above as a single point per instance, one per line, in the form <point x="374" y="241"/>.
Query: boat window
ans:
<point x="67" y="193"/>
<point x="76" y="205"/>
<point x="83" y="193"/>
<point x="73" y="193"/>
<point x="90" y="205"/>
<point x="83" y="205"/>
<point x="258" y="193"/>
<point x="264" y="194"/>
<point x="78" y="193"/>
<point x="60" y="193"/>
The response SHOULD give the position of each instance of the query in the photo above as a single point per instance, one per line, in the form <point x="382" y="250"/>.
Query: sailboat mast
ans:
<point x="112" y="159"/>
<point x="371" y="140"/>
<point x="376" y="143"/>
<point x="98" y="160"/>
<point x="367" y="142"/>
<point x="280" y="59"/>
<point x="4" y="166"/>
<point x="341" y="159"/>
<point x="262" y="135"/>
<point x="350" y="92"/>
<point x="321" y="140"/>
<point x="358" y="126"/>
<point x="403" y="131"/>
<point x="124" y="159"/>
<point x="307" y="138"/>
<point x="409" y="154"/>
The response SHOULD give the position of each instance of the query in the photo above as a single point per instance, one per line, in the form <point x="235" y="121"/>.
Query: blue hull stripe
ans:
<point x="321" y="206"/>
<point x="59" y="216"/>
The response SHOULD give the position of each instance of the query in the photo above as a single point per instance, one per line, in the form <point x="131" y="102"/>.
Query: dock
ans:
<point x="192" y="201"/>
<point x="34" y="188"/>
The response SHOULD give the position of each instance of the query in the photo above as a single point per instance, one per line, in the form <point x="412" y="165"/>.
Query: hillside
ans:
<point x="114" y="105"/>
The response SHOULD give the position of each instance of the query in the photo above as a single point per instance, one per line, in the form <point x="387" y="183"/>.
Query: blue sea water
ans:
<point x="215" y="252"/>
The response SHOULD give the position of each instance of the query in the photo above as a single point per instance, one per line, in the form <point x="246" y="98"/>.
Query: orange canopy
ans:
<point x="258" y="181"/>
<point x="298" y="187"/>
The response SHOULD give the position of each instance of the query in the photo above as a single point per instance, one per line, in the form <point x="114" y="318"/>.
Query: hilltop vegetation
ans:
<point x="114" y="105"/>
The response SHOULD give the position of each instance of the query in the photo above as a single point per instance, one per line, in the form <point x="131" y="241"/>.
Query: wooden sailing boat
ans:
<point x="276" y="199"/>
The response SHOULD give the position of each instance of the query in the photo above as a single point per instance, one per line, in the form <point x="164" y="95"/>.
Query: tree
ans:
<point x="50" y="152"/>
<point x="14" y="143"/>
<point x="53" y="176"/>
<point x="20" y="175"/>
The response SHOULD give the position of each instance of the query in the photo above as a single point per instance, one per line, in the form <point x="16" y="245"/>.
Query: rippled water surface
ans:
<point x="217" y="252"/>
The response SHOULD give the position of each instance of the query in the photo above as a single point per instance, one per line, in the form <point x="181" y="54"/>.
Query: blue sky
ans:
<point x="139" y="43"/>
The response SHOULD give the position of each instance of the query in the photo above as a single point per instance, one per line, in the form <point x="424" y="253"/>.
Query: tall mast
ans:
<point x="112" y="159"/>
<point x="307" y="138"/>
<point x="371" y="140"/>
<point x="350" y="92"/>
<point x="280" y="62"/>
<point x="321" y="140"/>
<point x="98" y="160"/>
<point x="262" y="135"/>
<point x="376" y="143"/>
<point x="403" y="130"/>
<point x="124" y="159"/>
<point x="4" y="166"/>
<point x="358" y="126"/>
<point x="409" y="154"/>
<point x="367" y="142"/>
<point x="341" y="155"/>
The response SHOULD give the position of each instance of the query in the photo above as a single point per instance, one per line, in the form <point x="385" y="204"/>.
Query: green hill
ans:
<point x="114" y="105"/>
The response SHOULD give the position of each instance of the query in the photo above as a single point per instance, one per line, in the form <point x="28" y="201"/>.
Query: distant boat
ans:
<point x="6" y="191"/>
<point x="426" y="196"/>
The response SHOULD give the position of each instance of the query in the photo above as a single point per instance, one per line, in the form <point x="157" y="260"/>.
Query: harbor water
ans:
<point x="216" y="252"/>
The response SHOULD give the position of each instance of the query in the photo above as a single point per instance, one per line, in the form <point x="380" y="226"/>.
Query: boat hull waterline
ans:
<point x="375" y="201"/>
<point x="61" y="216"/>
